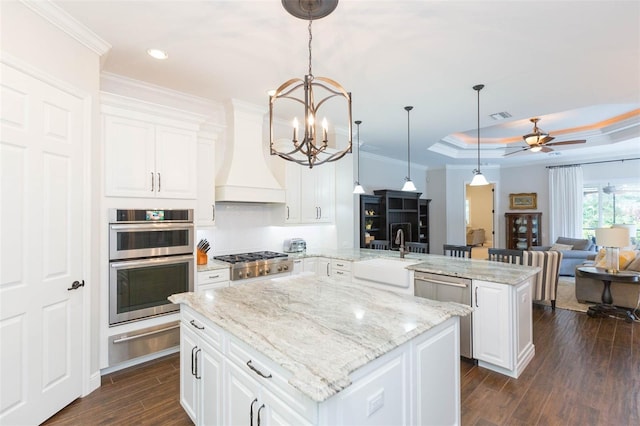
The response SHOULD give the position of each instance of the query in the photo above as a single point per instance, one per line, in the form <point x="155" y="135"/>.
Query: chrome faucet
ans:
<point x="400" y="240"/>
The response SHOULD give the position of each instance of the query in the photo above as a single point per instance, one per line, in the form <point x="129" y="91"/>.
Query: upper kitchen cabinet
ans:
<point x="310" y="193"/>
<point x="150" y="150"/>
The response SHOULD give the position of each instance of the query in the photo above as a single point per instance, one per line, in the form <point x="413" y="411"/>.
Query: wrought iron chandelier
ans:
<point x="310" y="147"/>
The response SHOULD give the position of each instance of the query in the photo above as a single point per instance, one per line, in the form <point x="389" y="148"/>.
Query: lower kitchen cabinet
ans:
<point x="323" y="267"/>
<point x="201" y="373"/>
<point x="341" y="270"/>
<point x="224" y="381"/>
<point x="502" y="326"/>
<point x="212" y="279"/>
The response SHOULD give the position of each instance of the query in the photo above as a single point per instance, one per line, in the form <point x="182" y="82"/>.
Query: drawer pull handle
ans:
<point x="193" y="323"/>
<point x="214" y="276"/>
<point x="258" y="371"/>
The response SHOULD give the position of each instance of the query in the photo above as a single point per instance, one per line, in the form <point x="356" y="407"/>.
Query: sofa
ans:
<point x="575" y="251"/>
<point x="589" y="290"/>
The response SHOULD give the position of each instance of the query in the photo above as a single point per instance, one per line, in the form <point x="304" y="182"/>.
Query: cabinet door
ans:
<point x="298" y="266"/>
<point x="292" y="192"/>
<point x="241" y="392"/>
<point x="491" y="323"/>
<point x="210" y="391"/>
<point x="188" y="382"/>
<point x="129" y="157"/>
<point x="325" y="192"/>
<point x="205" y="211"/>
<point x="309" y="208"/>
<point x="311" y="265"/>
<point x="176" y="163"/>
<point x="323" y="267"/>
<point x="275" y="413"/>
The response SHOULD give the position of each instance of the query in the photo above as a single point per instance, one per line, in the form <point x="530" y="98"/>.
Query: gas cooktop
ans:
<point x="257" y="264"/>
<point x="250" y="257"/>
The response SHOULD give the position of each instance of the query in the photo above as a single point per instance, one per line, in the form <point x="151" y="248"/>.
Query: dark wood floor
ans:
<point x="586" y="371"/>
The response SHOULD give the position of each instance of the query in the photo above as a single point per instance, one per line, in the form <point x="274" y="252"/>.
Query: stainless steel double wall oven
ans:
<point x="150" y="258"/>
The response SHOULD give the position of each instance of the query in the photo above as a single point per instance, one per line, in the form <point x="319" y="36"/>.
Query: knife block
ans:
<point x="201" y="258"/>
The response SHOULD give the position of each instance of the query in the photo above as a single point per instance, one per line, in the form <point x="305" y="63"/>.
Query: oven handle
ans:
<point x="152" y="261"/>
<point x="148" y="333"/>
<point x="148" y="226"/>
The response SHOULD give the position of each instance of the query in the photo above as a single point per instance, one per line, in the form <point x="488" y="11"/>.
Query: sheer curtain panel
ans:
<point x="565" y="202"/>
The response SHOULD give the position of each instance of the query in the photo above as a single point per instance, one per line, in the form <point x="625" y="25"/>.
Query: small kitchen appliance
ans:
<point x="257" y="264"/>
<point x="295" y="245"/>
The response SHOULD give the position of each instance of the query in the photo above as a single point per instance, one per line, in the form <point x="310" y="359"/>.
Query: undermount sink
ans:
<point x="384" y="270"/>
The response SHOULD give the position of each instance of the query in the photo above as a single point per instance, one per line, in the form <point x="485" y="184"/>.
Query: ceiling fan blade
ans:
<point x="546" y="139"/>
<point x="567" y="142"/>
<point x="515" y="152"/>
<point x="545" y="149"/>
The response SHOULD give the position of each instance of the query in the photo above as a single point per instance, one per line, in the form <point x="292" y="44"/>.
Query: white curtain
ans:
<point x="565" y="202"/>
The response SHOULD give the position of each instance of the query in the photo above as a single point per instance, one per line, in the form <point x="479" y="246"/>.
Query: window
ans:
<point x="605" y="204"/>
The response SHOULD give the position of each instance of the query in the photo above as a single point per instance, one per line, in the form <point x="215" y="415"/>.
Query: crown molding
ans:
<point x="61" y="19"/>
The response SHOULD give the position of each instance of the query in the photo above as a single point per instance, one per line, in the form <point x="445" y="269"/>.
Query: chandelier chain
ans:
<point x="310" y="38"/>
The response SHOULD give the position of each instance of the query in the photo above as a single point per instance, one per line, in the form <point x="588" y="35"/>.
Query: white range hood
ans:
<point x="244" y="175"/>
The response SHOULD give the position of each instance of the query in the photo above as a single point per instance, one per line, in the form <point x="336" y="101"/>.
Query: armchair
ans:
<point x="545" y="285"/>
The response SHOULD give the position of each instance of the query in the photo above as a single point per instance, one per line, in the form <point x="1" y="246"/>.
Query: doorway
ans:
<point x="479" y="218"/>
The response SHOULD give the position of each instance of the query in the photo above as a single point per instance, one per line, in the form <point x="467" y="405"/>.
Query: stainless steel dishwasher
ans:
<point x="448" y="289"/>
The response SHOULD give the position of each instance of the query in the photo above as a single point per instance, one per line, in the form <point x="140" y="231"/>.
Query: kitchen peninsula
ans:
<point x="313" y="350"/>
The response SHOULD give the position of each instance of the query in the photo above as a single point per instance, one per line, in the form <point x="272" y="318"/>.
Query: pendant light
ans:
<point x="310" y="147"/>
<point x="358" y="188"/>
<point x="408" y="184"/>
<point x="478" y="178"/>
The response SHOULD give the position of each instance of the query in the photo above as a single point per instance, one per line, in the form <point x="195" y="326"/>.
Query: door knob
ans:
<point x="76" y="285"/>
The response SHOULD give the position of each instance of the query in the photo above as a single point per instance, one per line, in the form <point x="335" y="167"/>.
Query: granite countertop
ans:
<point x="498" y="272"/>
<point x="212" y="265"/>
<point x="319" y="329"/>
<point x="358" y="254"/>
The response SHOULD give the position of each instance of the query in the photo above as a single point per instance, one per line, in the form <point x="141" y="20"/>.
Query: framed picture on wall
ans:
<point x="523" y="201"/>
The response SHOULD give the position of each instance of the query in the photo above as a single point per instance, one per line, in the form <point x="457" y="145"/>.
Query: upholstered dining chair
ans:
<point x="416" y="247"/>
<point x="456" y="251"/>
<point x="545" y="283"/>
<point x="505" y="255"/>
<point x="379" y="244"/>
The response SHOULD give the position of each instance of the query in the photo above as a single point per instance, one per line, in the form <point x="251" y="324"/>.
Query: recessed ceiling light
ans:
<point x="500" y="115"/>
<point x="157" y="53"/>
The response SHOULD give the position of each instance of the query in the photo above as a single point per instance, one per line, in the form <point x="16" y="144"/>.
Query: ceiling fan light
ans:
<point x="536" y="148"/>
<point x="408" y="185"/>
<point x="479" y="180"/>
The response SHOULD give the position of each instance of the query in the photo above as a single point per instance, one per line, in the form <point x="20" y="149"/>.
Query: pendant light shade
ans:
<point x="358" y="188"/>
<point x="478" y="178"/>
<point x="408" y="184"/>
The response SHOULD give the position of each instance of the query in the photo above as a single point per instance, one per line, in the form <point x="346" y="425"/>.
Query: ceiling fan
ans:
<point x="538" y="140"/>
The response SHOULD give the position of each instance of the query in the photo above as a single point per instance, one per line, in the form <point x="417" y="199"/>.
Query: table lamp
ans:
<point x="612" y="239"/>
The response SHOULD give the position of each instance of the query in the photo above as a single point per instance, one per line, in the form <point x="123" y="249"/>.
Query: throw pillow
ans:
<point x="560" y="247"/>
<point x="624" y="259"/>
<point x="634" y="265"/>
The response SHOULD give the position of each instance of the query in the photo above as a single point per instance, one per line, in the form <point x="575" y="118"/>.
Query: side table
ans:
<point x="607" y="308"/>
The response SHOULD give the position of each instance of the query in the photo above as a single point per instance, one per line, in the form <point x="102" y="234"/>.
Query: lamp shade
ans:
<point x="613" y="237"/>
<point x="633" y="229"/>
<point x="478" y="180"/>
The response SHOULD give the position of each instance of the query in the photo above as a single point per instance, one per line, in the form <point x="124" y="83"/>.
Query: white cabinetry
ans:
<point x="502" y="326"/>
<point x="310" y="193"/>
<point x="201" y="370"/>
<point x="416" y="383"/>
<point x="298" y="266"/>
<point x="150" y="150"/>
<point x="310" y="264"/>
<point x="323" y="266"/>
<point x="215" y="278"/>
<point x="206" y="206"/>
<point x="341" y="269"/>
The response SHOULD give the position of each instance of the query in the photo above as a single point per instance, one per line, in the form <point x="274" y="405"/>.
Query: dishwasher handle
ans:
<point x="449" y="283"/>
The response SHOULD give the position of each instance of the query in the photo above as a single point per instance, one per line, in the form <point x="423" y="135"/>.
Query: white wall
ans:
<point x="378" y="172"/>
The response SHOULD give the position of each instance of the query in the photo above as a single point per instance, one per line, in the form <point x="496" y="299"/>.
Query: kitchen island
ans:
<point x="313" y="350"/>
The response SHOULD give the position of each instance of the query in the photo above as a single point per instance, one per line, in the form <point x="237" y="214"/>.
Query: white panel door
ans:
<point x="41" y="220"/>
<point x="491" y="319"/>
